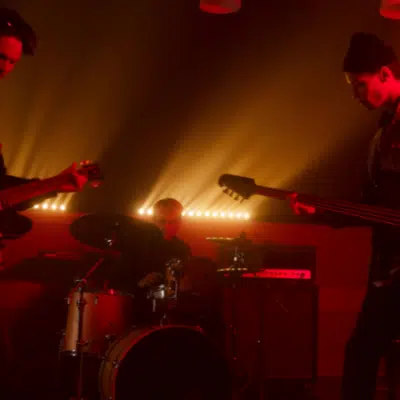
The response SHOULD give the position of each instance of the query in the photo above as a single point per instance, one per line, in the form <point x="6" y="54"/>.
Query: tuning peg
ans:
<point x="226" y="191"/>
<point x="236" y="197"/>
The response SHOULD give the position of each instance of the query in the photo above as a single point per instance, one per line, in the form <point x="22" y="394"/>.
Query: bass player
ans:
<point x="373" y="72"/>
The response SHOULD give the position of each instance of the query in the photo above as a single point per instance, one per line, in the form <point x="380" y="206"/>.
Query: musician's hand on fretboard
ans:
<point x="300" y="208"/>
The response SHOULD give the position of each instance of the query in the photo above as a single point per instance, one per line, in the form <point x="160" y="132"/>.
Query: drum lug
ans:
<point x="111" y="337"/>
<point x="80" y="303"/>
<point x="115" y="364"/>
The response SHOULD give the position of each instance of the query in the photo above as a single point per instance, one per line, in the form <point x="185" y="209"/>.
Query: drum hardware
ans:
<point x="164" y="321"/>
<point x="80" y="288"/>
<point x="234" y="272"/>
<point x="167" y="293"/>
<point x="174" y="273"/>
<point x="240" y="248"/>
<point x="110" y="337"/>
<point x="102" y="231"/>
<point x="237" y="267"/>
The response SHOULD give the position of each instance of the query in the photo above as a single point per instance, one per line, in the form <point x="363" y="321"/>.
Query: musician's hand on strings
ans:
<point x="152" y="279"/>
<point x="75" y="181"/>
<point x="300" y="208"/>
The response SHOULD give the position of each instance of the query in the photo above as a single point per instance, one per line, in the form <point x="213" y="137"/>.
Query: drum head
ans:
<point x="174" y="362"/>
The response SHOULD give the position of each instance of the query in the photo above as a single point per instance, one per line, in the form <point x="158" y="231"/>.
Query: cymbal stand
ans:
<point x="235" y="271"/>
<point x="80" y="287"/>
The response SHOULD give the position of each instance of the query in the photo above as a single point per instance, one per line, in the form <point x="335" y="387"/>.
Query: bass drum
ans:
<point x="176" y="361"/>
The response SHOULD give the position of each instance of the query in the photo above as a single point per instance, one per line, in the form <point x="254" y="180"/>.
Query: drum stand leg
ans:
<point x="261" y="349"/>
<point x="238" y="389"/>
<point x="80" y="344"/>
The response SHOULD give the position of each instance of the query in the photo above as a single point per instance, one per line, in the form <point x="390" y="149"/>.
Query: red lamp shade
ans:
<point x="220" y="6"/>
<point x="390" y="9"/>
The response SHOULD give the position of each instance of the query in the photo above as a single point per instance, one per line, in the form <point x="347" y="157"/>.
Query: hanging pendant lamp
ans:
<point x="220" y="6"/>
<point x="390" y="9"/>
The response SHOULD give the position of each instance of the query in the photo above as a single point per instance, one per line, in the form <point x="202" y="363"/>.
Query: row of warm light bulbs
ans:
<point x="206" y="214"/>
<point x="52" y="207"/>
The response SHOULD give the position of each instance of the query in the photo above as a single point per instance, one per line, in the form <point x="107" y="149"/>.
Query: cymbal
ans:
<point x="239" y="271"/>
<point x="236" y="242"/>
<point x="96" y="229"/>
<point x="13" y="225"/>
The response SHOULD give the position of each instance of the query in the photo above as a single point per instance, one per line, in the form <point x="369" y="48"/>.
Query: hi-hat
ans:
<point x="241" y="242"/>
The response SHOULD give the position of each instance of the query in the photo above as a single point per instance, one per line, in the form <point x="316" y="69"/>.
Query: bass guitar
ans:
<point x="242" y="188"/>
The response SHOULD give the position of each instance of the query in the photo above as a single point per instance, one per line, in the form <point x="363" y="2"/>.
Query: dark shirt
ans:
<point x="382" y="188"/>
<point x="176" y="249"/>
<point x="149" y="253"/>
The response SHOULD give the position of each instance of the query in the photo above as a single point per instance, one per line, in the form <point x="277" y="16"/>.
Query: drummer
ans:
<point x="167" y="216"/>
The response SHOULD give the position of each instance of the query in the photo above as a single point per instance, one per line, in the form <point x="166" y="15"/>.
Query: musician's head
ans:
<point x="17" y="38"/>
<point x="372" y="69"/>
<point x="167" y="215"/>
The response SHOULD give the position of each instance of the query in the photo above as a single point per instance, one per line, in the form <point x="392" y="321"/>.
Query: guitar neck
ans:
<point x="363" y="211"/>
<point x="278" y="194"/>
<point x="13" y="196"/>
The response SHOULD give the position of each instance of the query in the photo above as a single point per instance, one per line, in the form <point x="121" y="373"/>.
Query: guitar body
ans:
<point x="19" y="194"/>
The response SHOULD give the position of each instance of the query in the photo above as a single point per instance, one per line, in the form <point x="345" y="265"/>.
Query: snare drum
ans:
<point x="105" y="315"/>
<point x="176" y="360"/>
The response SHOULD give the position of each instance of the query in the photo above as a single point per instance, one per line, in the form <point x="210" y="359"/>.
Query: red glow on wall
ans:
<point x="220" y="7"/>
<point x="212" y="9"/>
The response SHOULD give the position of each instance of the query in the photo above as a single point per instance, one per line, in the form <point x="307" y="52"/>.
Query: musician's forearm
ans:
<point x="14" y="196"/>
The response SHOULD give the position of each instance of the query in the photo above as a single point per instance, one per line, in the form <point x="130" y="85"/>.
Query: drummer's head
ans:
<point x="167" y="215"/>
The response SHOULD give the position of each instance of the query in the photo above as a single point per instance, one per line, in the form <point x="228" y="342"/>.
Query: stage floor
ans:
<point x="325" y="389"/>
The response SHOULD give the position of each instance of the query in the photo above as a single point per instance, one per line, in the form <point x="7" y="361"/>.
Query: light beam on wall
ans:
<point x="220" y="6"/>
<point x="390" y="9"/>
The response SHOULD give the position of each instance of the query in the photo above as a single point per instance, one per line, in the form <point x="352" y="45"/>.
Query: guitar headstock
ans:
<point x="238" y="187"/>
<point x="92" y="171"/>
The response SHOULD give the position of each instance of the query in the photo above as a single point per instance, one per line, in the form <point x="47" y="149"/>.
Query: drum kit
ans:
<point x="107" y="353"/>
<point x="133" y="359"/>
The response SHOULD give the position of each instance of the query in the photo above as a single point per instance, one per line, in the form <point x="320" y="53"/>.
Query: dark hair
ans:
<point x="12" y="24"/>
<point x="367" y="53"/>
<point x="395" y="68"/>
